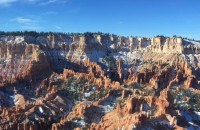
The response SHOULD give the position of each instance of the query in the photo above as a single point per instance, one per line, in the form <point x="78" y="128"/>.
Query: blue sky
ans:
<point x="122" y="17"/>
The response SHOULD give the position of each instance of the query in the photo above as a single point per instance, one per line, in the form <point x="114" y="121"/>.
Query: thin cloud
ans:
<point x="26" y="23"/>
<point x="48" y="2"/>
<point x="7" y="2"/>
<point x="53" y="1"/>
<point x="22" y="20"/>
<point x="57" y="27"/>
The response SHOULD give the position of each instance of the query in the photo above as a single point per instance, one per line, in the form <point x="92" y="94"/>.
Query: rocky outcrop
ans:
<point x="21" y="61"/>
<point x="167" y="45"/>
<point x="98" y="81"/>
<point x="27" y="114"/>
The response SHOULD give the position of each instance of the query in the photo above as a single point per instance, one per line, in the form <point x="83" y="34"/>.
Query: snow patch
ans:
<point x="41" y="110"/>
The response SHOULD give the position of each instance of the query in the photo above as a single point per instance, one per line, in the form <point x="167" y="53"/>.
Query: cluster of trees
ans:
<point x="186" y="38"/>
<point x="167" y="36"/>
<point x="36" y="34"/>
<point x="73" y="88"/>
<point x="161" y="36"/>
<point x="92" y="34"/>
<point x="25" y="33"/>
<point x="2" y="61"/>
<point x="180" y="99"/>
<point x="179" y="37"/>
<point x="191" y="39"/>
<point x="110" y="62"/>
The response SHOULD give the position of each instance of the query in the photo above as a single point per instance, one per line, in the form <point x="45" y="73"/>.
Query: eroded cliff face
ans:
<point x="98" y="82"/>
<point x="21" y="61"/>
<point x="167" y="45"/>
